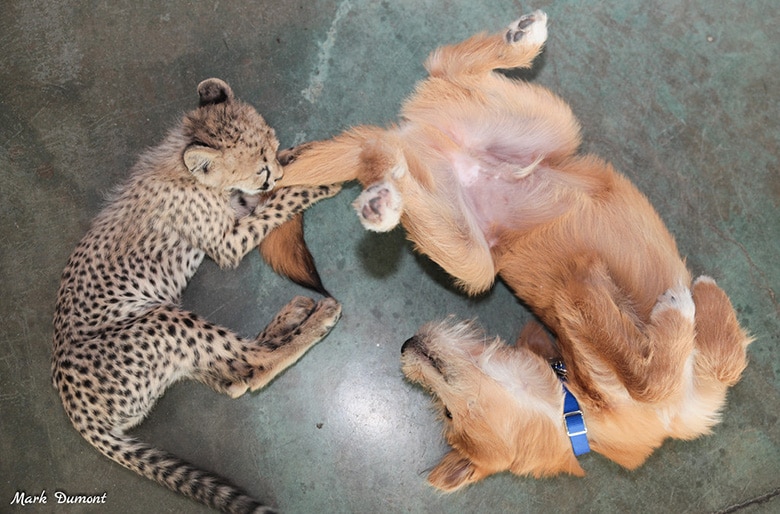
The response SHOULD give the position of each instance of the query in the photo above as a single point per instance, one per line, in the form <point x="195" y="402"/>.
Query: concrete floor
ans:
<point x="681" y="96"/>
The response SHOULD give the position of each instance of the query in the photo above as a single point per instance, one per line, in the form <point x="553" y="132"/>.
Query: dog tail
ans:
<point x="721" y="342"/>
<point x="285" y="250"/>
<point x="174" y="473"/>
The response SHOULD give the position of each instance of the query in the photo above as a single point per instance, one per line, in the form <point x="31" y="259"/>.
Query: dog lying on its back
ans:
<point x="484" y="176"/>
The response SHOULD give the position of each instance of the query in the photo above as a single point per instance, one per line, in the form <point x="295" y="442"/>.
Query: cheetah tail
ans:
<point x="285" y="250"/>
<point x="176" y="474"/>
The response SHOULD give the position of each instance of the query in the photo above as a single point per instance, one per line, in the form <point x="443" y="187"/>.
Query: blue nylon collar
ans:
<point x="572" y="415"/>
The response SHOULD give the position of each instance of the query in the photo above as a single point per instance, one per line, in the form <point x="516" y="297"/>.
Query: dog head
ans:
<point x="501" y="406"/>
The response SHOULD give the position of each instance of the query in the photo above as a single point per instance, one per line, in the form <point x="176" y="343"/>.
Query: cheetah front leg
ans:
<point x="228" y="249"/>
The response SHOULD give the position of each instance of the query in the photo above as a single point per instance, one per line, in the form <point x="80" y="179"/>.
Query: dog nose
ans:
<point x="412" y="341"/>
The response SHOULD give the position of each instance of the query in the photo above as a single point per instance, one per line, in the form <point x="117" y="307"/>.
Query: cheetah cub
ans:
<point x="120" y="337"/>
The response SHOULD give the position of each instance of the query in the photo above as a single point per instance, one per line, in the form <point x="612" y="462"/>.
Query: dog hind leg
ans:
<point x="720" y="340"/>
<point x="649" y="359"/>
<point x="480" y="54"/>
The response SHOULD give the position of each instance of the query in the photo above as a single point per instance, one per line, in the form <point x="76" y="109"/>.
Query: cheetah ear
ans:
<point x="214" y="91"/>
<point x="200" y="159"/>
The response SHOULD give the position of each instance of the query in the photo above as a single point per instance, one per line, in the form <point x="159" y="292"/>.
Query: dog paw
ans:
<point x="704" y="279"/>
<point x="678" y="298"/>
<point x="530" y="28"/>
<point x="379" y="207"/>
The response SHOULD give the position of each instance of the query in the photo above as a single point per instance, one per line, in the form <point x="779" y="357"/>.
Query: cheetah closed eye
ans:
<point x="120" y="338"/>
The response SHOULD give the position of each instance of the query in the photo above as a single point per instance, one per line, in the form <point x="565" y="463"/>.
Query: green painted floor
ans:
<point x="681" y="96"/>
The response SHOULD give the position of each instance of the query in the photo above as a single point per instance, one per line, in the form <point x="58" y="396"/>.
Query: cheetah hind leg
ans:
<point x="297" y="327"/>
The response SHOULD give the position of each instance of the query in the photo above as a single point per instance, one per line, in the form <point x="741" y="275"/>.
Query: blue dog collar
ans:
<point x="572" y="415"/>
<point x="575" y="423"/>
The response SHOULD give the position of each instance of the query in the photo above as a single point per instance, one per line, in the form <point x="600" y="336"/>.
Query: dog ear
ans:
<point x="453" y="472"/>
<point x="535" y="338"/>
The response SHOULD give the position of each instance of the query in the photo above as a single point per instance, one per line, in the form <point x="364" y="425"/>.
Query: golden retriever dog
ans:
<point x="483" y="173"/>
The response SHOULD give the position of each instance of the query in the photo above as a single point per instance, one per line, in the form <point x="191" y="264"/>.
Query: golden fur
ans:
<point x="483" y="173"/>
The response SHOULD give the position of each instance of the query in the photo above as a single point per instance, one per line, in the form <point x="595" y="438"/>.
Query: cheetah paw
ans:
<point x="530" y="29"/>
<point x="290" y="317"/>
<point x="678" y="298"/>
<point x="320" y="321"/>
<point x="326" y="314"/>
<point x="379" y="207"/>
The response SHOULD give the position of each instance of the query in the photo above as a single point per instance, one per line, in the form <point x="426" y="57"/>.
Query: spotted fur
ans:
<point x="120" y="337"/>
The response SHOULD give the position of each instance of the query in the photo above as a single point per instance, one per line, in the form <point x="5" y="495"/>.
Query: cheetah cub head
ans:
<point x="231" y="147"/>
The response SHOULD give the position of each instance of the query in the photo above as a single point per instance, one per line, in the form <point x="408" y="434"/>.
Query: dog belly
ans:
<point x="490" y="201"/>
<point x="497" y="200"/>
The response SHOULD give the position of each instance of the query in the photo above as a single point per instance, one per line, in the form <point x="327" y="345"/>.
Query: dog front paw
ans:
<point x="678" y="298"/>
<point x="530" y="29"/>
<point x="379" y="207"/>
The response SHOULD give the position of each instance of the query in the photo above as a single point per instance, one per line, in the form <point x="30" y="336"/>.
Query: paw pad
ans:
<point x="379" y="207"/>
<point x="530" y="28"/>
